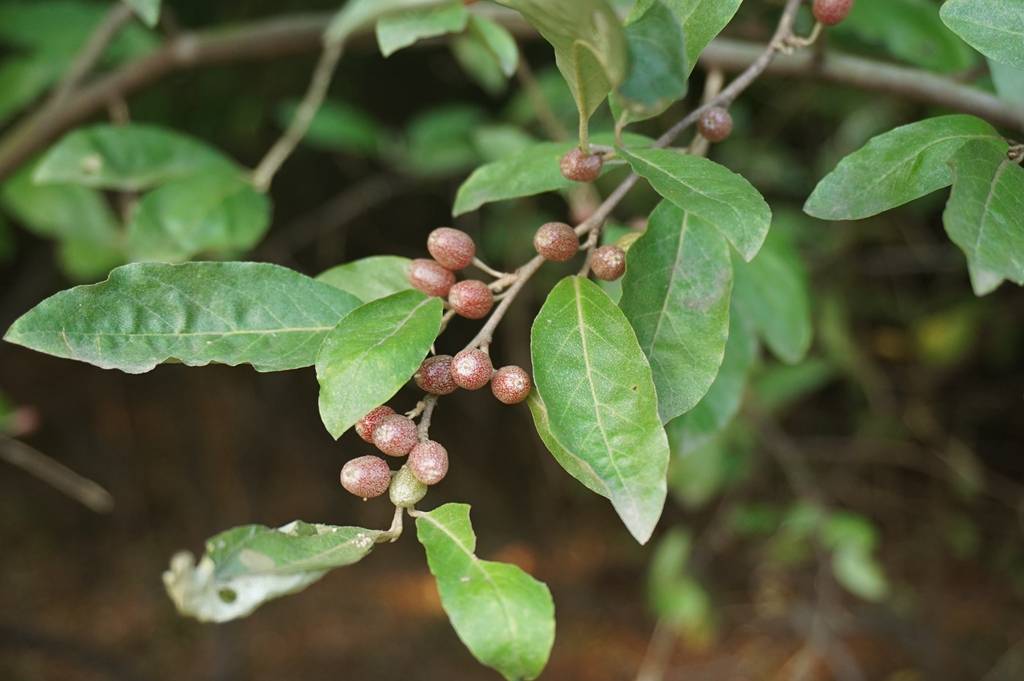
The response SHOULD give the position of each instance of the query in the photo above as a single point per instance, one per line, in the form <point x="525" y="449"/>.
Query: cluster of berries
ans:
<point x="557" y="241"/>
<point x="451" y="250"/>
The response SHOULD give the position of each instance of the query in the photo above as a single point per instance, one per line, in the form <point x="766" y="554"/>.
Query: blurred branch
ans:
<point x="57" y="475"/>
<point x="117" y="16"/>
<point x="272" y="38"/>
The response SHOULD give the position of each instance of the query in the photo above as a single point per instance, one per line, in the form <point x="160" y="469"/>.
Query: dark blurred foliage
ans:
<point x="918" y="429"/>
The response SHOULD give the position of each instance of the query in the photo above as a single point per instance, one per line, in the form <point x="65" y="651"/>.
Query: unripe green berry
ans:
<point x="579" y="166"/>
<point x="430" y="277"/>
<point x="715" y="124"/>
<point x="471" y="299"/>
<point x="472" y="369"/>
<point x="435" y="375"/>
<point x="366" y="425"/>
<point x="452" y="248"/>
<point x="511" y="384"/>
<point x="395" y="435"/>
<point x="428" y="462"/>
<point x="608" y="263"/>
<point x="406" y="491"/>
<point x="556" y="241"/>
<point x="366" y="477"/>
<point x="831" y="12"/>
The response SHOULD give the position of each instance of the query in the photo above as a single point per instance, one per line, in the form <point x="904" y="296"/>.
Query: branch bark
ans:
<point x="273" y="38"/>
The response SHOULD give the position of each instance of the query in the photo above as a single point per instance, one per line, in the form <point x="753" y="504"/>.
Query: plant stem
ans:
<point x="117" y="16"/>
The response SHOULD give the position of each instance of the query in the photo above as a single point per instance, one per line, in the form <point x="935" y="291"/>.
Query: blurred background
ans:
<point x="860" y="519"/>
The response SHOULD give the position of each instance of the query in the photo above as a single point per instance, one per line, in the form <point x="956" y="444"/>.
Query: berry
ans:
<point x="715" y="124"/>
<point x="608" y="263"/>
<point x="471" y="299"/>
<point x="435" y="375"/>
<point x="395" y="435"/>
<point x="366" y="477"/>
<point x="452" y="248"/>
<point x="579" y="166"/>
<point x="428" y="462"/>
<point x="831" y="12"/>
<point x="430" y="277"/>
<point x="511" y="384"/>
<point x="472" y="369"/>
<point x="406" y="490"/>
<point x="366" y="425"/>
<point x="556" y="241"/>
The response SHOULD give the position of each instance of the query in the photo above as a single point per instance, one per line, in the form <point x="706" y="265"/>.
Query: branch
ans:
<point x="91" y="53"/>
<point x="86" y="492"/>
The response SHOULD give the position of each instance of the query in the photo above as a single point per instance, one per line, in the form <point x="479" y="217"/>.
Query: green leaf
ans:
<point x="503" y="615"/>
<point x="860" y="573"/>
<point x="658" y="67"/>
<point x="22" y="79"/>
<point x="487" y="52"/>
<point x="216" y="212"/>
<point x="985" y="213"/>
<point x="400" y="29"/>
<point x="496" y="142"/>
<point x="722" y="401"/>
<point x="1009" y="82"/>
<point x="147" y="313"/>
<point x="441" y="140"/>
<point x="125" y="157"/>
<point x="361" y="14"/>
<point x="909" y="30"/>
<point x="708" y="191"/>
<point x="771" y="292"/>
<point x="498" y="41"/>
<point x="534" y="171"/>
<point x="57" y="30"/>
<point x="590" y="47"/>
<point x="372" y="353"/>
<point x="370" y="278"/>
<point x="895" y="168"/>
<point x="339" y="126"/>
<point x="993" y="27"/>
<point x="702" y="21"/>
<point x="675" y="596"/>
<point x="592" y="374"/>
<point x="247" y="566"/>
<point x="676" y="296"/>
<point x="147" y="10"/>
<point x="83" y="260"/>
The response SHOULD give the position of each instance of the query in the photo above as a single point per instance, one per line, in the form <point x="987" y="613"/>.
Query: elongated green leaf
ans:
<point x="400" y="29"/>
<point x="126" y="157"/>
<point x="339" y="126"/>
<point x="147" y="10"/>
<point x="702" y="20"/>
<point x="370" y="278"/>
<point x="215" y="212"/>
<point x="985" y="214"/>
<point x="596" y="383"/>
<point x="361" y="14"/>
<point x="895" y="168"/>
<point x="57" y="29"/>
<point x="534" y="171"/>
<point x="722" y="401"/>
<point x="708" y="191"/>
<point x="771" y="293"/>
<point x="498" y="41"/>
<point x="658" y="67"/>
<point x="1009" y="82"/>
<point x="147" y="313"/>
<point x="909" y="30"/>
<point x="590" y="48"/>
<point x="574" y="464"/>
<point x="372" y="353"/>
<point x="487" y="52"/>
<point x="676" y="296"/>
<point x="247" y="566"/>
<point x="503" y="615"/>
<point x="993" y="27"/>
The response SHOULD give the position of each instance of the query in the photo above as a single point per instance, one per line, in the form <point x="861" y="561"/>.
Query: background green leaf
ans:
<point x="993" y="27"/>
<point x="147" y="10"/>
<point x="400" y="29"/>
<point x="370" y="278"/>
<point x="658" y="68"/>
<point x="702" y="21"/>
<point x="372" y="353"/>
<point x="593" y="377"/>
<point x="503" y="615"/>
<point x="147" y="313"/>
<point x="340" y="126"/>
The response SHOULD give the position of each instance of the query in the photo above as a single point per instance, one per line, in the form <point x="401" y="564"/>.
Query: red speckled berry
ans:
<point x="366" y="425"/>
<point x="471" y="299"/>
<point x="715" y="124"/>
<point x="556" y="241"/>
<point x="428" y="462"/>
<point x="366" y="477"/>
<point x="472" y="369"/>
<point x="453" y="248"/>
<point x="831" y="12"/>
<point x="579" y="166"/>
<point x="430" y="277"/>
<point x="435" y="375"/>
<point x="395" y="435"/>
<point x="608" y="263"/>
<point x="511" y="384"/>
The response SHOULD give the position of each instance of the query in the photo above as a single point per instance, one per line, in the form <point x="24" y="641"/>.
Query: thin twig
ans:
<point x="423" y="429"/>
<point x="392" y="534"/>
<point x="89" y="56"/>
<point x="55" y="474"/>
<point x="484" y="267"/>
